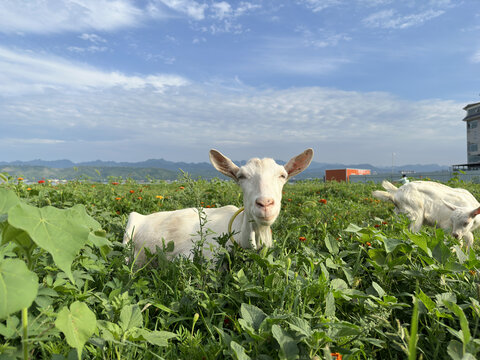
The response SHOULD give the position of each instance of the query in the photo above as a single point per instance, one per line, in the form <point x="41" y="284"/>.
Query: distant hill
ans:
<point x="165" y="170"/>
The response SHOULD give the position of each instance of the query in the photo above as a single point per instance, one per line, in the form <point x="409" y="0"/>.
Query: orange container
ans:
<point x="344" y="174"/>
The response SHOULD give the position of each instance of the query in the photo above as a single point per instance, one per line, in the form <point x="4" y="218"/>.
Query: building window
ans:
<point x="472" y="124"/>
<point x="472" y="147"/>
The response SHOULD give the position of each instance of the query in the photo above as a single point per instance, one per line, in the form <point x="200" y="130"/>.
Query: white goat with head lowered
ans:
<point x="261" y="181"/>
<point x="431" y="203"/>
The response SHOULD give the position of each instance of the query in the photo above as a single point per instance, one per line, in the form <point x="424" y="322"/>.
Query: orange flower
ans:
<point x="41" y="181"/>
<point x="28" y="189"/>
<point x="368" y="243"/>
<point x="159" y="197"/>
<point x="20" y="179"/>
<point x="289" y="199"/>
<point x="323" y="201"/>
<point x="118" y="198"/>
<point x="132" y="191"/>
<point x="472" y="272"/>
<point x="139" y="198"/>
<point x="182" y="187"/>
<point x="302" y="238"/>
<point x="336" y="356"/>
<point x="115" y="183"/>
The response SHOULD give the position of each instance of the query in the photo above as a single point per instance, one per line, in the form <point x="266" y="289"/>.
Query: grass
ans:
<point x="344" y="277"/>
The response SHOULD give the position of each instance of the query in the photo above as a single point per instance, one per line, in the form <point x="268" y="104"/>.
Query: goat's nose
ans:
<point x="264" y="202"/>
<point x="455" y="235"/>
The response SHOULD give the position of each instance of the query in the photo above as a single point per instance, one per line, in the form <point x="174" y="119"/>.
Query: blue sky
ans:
<point x="360" y="81"/>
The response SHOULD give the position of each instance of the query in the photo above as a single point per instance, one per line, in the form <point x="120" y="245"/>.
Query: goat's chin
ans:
<point x="265" y="219"/>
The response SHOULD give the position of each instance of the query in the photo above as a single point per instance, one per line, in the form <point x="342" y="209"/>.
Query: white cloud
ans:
<point x="191" y="8"/>
<point x="94" y="38"/>
<point x="28" y="72"/>
<point x="342" y="126"/>
<point x="221" y="9"/>
<point x="319" y="5"/>
<point x="390" y="19"/>
<point x="53" y="16"/>
<point x="476" y="57"/>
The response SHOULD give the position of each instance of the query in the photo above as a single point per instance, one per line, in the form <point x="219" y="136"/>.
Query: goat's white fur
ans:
<point x="261" y="181"/>
<point x="435" y="204"/>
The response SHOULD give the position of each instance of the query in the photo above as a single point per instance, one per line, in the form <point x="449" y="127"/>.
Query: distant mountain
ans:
<point x="169" y="170"/>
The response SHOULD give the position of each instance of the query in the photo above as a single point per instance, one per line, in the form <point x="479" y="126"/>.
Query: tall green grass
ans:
<point x="344" y="277"/>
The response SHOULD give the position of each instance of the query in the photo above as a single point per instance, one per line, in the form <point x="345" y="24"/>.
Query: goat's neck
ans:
<point x="253" y="235"/>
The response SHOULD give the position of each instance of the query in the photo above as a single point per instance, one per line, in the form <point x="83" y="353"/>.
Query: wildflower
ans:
<point x="302" y="238"/>
<point x="118" y="198"/>
<point x="377" y="225"/>
<point x="472" y="272"/>
<point x="115" y="183"/>
<point x="41" y="181"/>
<point x="118" y="212"/>
<point x="336" y="356"/>
<point x="20" y="179"/>
<point x="368" y="243"/>
<point x="139" y="198"/>
<point x="132" y="191"/>
<point x="323" y="201"/>
<point x="28" y="189"/>
<point x="160" y="197"/>
<point x="182" y="187"/>
<point x="384" y="223"/>
<point x="289" y="199"/>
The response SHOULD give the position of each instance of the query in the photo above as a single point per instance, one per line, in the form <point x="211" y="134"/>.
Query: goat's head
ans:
<point x="262" y="181"/>
<point x="462" y="219"/>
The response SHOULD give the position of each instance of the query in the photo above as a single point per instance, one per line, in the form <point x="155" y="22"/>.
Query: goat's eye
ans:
<point x="241" y="177"/>
<point x="283" y="176"/>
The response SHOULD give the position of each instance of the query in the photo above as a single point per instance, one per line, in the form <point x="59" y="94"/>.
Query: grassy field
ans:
<point x="345" y="279"/>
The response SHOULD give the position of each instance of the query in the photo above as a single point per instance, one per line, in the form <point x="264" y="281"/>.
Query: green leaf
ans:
<point x="252" y="315"/>
<point x="158" y="338"/>
<point x="421" y="242"/>
<point x="353" y="228"/>
<point x="8" y="199"/>
<point x="391" y="244"/>
<point x="330" y="305"/>
<point x="429" y="303"/>
<point x="457" y="310"/>
<point x="131" y="317"/>
<point x="378" y="289"/>
<point x="239" y="351"/>
<point x="331" y="244"/>
<point x="18" y="286"/>
<point x="288" y="345"/>
<point x="77" y="324"/>
<point x="61" y="232"/>
<point x="300" y="326"/>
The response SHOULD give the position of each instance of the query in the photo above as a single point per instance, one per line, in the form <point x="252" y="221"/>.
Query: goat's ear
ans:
<point x="299" y="163"/>
<point x="223" y="164"/>
<point x="475" y="212"/>
<point x="450" y="206"/>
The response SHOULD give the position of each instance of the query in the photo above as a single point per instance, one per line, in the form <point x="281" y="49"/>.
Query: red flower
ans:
<point x="41" y="181"/>
<point x="377" y="225"/>
<point x="302" y="238"/>
<point x="368" y="243"/>
<point x="114" y="183"/>
<point x="323" y="201"/>
<point x="336" y="356"/>
<point x="132" y="191"/>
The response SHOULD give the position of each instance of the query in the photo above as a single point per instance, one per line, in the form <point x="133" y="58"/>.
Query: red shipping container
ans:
<point x="344" y="174"/>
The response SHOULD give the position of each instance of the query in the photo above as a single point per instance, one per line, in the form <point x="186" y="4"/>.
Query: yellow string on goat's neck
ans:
<point x="232" y="219"/>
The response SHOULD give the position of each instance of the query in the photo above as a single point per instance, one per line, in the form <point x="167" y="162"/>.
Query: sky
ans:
<point x="360" y="81"/>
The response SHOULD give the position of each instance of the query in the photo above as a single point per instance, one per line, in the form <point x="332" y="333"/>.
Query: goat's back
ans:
<point x="180" y="226"/>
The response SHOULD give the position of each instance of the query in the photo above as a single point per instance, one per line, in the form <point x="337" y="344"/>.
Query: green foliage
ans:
<point x="345" y="276"/>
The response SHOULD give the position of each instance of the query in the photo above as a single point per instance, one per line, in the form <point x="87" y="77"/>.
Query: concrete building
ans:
<point x="473" y="138"/>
